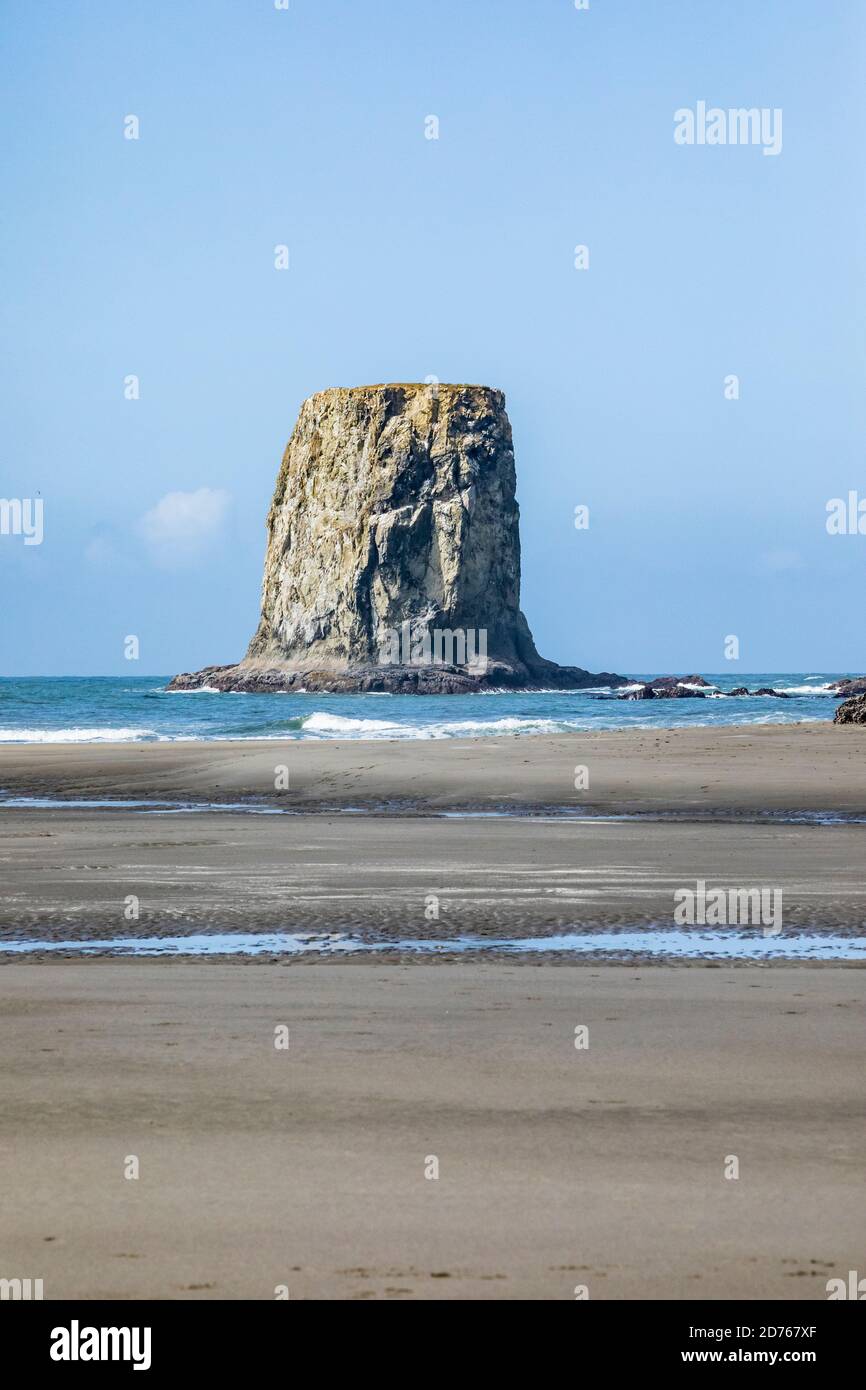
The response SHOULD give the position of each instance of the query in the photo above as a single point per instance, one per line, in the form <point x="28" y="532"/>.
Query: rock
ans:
<point x="764" y="690"/>
<point x="393" y="553"/>
<point x="668" y="688"/>
<point x="670" y="682"/>
<point x="678" y="692"/>
<point x="852" y="711"/>
<point x="854" y="685"/>
<point x="651" y="691"/>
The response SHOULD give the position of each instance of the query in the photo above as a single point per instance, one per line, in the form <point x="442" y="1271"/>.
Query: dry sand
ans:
<point x="557" y="1167"/>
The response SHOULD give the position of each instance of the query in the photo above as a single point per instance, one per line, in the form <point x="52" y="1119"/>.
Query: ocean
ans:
<point x="111" y="709"/>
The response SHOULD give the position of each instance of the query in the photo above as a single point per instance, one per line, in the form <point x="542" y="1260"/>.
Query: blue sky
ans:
<point x="452" y="257"/>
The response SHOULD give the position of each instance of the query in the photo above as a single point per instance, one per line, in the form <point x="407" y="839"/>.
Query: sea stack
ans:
<point x="393" y="555"/>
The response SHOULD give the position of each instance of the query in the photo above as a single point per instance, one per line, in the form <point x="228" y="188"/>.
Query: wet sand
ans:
<point x="558" y="1167"/>
<point x="733" y="771"/>
<point x="708" y="805"/>
<point x="69" y="874"/>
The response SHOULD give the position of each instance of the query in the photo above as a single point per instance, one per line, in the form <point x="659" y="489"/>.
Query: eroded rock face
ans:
<point x="852" y="711"/>
<point x="393" y="526"/>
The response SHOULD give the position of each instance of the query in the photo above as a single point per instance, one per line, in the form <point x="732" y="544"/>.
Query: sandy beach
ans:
<point x="559" y="1168"/>
<point x="602" y="1167"/>
<point x="709" y="804"/>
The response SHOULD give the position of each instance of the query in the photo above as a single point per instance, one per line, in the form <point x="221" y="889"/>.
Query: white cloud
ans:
<point x="180" y="528"/>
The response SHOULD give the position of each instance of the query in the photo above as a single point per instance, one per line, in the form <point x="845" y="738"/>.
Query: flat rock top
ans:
<point x="409" y="386"/>
<point x="412" y="386"/>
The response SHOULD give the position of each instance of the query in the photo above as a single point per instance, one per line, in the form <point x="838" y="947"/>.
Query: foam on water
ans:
<point x="319" y="723"/>
<point x="661" y="943"/>
<point x="72" y="710"/>
<point x="78" y="735"/>
<point x="822" y="688"/>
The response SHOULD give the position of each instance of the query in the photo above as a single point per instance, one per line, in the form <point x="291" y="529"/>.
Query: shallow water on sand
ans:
<point x="666" y="944"/>
<point x="543" y="816"/>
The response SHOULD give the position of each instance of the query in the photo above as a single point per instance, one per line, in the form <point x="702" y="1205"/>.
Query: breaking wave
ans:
<point x="79" y="735"/>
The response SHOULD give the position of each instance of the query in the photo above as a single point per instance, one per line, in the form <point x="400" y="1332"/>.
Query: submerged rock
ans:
<point x="393" y="557"/>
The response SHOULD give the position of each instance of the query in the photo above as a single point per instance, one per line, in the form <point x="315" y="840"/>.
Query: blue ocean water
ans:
<point x="112" y="709"/>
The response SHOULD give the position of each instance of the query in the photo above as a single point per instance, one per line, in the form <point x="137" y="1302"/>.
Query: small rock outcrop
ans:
<point x="671" y="682"/>
<point x="851" y="685"/>
<point x="852" y="711"/>
<point x="668" y="688"/>
<point x="763" y="690"/>
<point x="393" y="556"/>
<point x="678" y="692"/>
